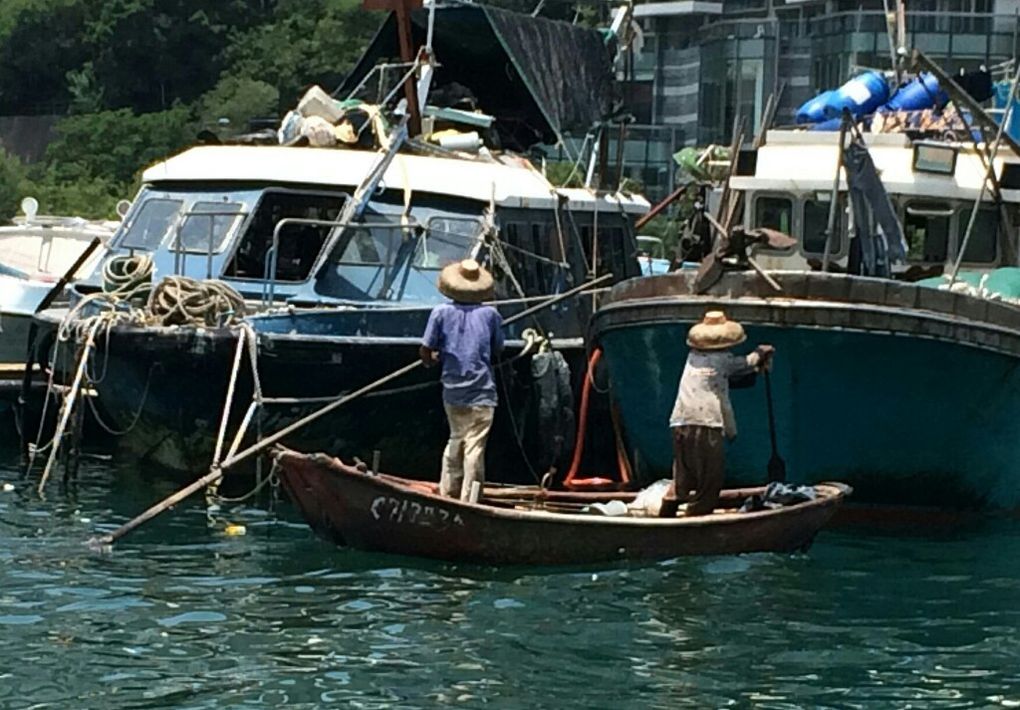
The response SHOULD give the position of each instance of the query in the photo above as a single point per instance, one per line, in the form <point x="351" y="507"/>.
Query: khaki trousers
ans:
<point x="464" y="457"/>
<point x="699" y="466"/>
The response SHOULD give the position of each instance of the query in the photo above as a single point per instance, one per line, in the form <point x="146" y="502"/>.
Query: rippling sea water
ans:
<point x="180" y="615"/>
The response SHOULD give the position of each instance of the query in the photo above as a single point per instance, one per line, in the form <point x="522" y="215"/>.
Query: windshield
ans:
<point x="446" y="240"/>
<point x="207" y="226"/>
<point x="151" y="223"/>
<point x="160" y="218"/>
<point x="391" y="257"/>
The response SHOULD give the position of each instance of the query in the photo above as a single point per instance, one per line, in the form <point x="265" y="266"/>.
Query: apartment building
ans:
<point x="700" y="63"/>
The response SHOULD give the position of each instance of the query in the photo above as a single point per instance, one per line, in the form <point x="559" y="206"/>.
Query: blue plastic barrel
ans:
<point x="831" y="124"/>
<point x="862" y="95"/>
<point x="813" y="110"/>
<point x="918" y="94"/>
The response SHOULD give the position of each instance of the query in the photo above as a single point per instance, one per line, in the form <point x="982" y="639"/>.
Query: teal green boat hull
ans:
<point x="905" y="420"/>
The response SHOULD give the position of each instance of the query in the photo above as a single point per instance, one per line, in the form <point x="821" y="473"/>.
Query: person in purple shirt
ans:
<point x="462" y="337"/>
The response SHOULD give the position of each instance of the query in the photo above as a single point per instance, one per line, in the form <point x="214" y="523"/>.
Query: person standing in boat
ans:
<point x="462" y="337"/>
<point x="703" y="414"/>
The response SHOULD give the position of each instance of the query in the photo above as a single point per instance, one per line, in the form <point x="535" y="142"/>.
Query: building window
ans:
<point x="926" y="229"/>
<point x="774" y="213"/>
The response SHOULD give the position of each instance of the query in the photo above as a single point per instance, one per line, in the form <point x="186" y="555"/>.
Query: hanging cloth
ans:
<point x="884" y="245"/>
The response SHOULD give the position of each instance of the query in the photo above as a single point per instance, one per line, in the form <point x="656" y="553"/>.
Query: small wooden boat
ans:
<point x="528" y="525"/>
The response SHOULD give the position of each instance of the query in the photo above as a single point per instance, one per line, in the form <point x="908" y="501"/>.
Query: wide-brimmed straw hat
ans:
<point x="465" y="281"/>
<point x="715" y="332"/>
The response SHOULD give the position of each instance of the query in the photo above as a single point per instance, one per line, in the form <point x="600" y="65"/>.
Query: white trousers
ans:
<point x="464" y="457"/>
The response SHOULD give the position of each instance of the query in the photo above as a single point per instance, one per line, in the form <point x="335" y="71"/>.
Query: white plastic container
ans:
<point x="469" y="142"/>
<point x="316" y="102"/>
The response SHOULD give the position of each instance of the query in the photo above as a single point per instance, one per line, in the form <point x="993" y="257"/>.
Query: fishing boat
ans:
<point x="336" y="251"/>
<point x="36" y="252"/>
<point x="531" y="526"/>
<point x="902" y="384"/>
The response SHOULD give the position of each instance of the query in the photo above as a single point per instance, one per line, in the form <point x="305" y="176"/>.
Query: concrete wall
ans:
<point x="27" y="136"/>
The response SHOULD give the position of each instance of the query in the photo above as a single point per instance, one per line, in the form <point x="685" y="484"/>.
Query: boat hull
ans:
<point x="903" y="415"/>
<point x="164" y="392"/>
<point x="384" y="514"/>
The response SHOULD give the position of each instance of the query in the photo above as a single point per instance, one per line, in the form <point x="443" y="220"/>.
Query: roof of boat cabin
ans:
<point x="799" y="161"/>
<point x="509" y="179"/>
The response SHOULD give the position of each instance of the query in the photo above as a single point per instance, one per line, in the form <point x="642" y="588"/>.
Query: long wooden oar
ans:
<point x="217" y="471"/>
<point x="776" y="467"/>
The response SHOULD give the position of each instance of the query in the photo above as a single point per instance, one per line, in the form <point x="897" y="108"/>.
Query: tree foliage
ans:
<point x="12" y="184"/>
<point x="137" y="79"/>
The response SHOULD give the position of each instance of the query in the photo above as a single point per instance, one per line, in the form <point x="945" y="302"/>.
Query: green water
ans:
<point x="182" y="616"/>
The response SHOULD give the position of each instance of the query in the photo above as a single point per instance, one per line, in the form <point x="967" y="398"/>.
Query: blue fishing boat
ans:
<point x="335" y="249"/>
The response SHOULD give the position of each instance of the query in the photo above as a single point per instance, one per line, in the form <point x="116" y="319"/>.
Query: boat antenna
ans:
<point x="402" y="11"/>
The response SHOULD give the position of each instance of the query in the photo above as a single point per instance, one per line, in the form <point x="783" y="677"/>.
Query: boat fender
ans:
<point x="554" y="399"/>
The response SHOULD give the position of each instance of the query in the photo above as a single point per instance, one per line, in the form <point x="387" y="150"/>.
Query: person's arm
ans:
<point x="755" y="361"/>
<point x="431" y="341"/>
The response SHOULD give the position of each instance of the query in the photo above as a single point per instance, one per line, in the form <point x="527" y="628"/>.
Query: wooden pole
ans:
<point x="275" y="438"/>
<point x="33" y="330"/>
<point x="830" y="228"/>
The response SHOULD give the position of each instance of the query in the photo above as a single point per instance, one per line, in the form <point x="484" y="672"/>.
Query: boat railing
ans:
<point x="181" y="251"/>
<point x="273" y="252"/>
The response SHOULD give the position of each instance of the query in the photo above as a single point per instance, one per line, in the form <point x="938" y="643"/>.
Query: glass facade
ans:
<point x="698" y="71"/>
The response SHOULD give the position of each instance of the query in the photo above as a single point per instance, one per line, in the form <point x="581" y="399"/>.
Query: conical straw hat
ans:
<point x="715" y="332"/>
<point x="466" y="281"/>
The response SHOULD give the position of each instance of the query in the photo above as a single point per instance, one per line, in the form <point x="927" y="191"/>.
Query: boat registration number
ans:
<point x="409" y="512"/>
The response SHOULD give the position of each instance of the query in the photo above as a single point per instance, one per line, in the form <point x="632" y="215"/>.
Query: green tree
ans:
<point x="115" y="145"/>
<point x="12" y="185"/>
<point x="40" y="42"/>
<point x="237" y="99"/>
<point x="307" y="42"/>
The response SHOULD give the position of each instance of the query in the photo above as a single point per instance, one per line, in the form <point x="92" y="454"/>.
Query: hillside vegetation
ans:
<point x="135" y="80"/>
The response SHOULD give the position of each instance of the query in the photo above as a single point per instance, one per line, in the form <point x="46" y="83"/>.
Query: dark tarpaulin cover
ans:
<point x="539" y="78"/>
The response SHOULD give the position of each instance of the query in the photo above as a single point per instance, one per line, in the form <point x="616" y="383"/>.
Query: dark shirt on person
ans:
<point x="466" y="337"/>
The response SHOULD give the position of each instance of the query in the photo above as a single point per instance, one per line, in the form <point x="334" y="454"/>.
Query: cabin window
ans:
<point x="154" y="220"/>
<point x="300" y="243"/>
<point x="207" y="226"/>
<point x="982" y="246"/>
<point x="926" y="229"/>
<point x="446" y="240"/>
<point x="376" y="243"/>
<point x="774" y="213"/>
<point x="816" y="224"/>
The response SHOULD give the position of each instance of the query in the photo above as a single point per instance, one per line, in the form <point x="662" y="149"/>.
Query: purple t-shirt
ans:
<point x="466" y="336"/>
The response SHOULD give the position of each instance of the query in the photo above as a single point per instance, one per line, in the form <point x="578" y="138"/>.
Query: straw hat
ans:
<point x="715" y="332"/>
<point x="465" y="281"/>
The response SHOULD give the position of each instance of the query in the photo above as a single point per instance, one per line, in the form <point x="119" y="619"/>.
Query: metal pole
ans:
<point x="984" y="182"/>
<point x="830" y="228"/>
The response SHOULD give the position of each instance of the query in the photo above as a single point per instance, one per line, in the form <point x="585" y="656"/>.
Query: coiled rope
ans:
<point x="179" y="300"/>
<point x="128" y="277"/>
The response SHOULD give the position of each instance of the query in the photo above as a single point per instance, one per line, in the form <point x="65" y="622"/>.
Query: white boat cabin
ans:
<point x="933" y="186"/>
<point x="215" y="211"/>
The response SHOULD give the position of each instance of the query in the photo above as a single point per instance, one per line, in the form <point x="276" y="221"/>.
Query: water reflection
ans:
<point x="179" y="615"/>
